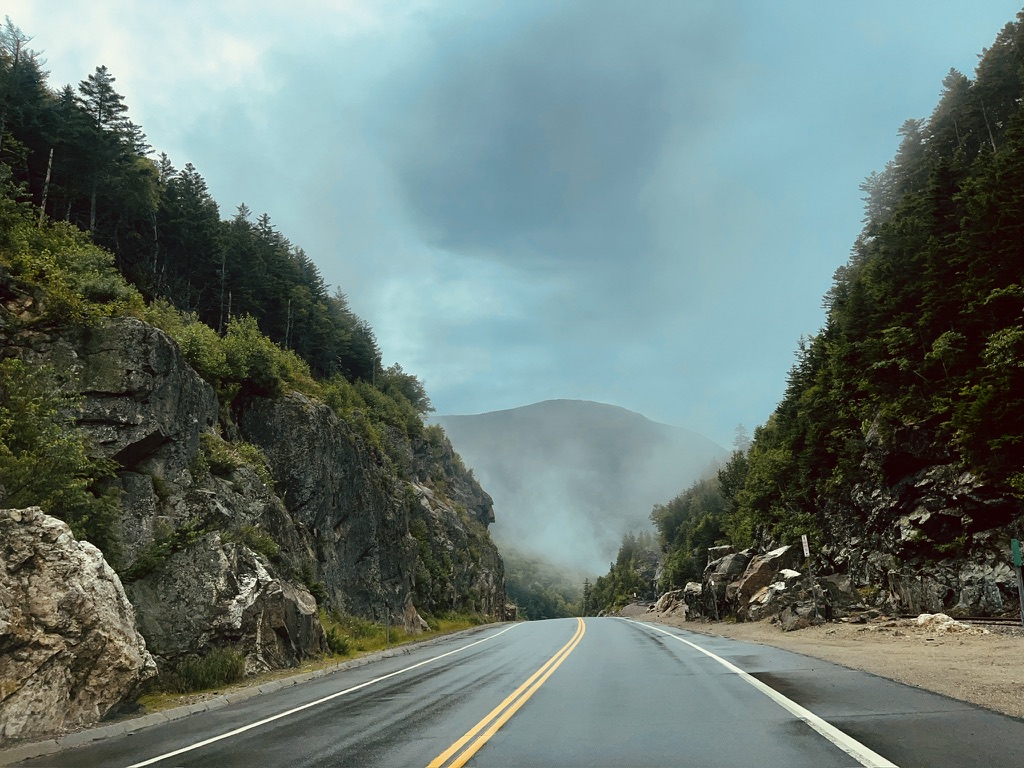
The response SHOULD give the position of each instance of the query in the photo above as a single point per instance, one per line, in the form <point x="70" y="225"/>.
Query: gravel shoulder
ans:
<point x="983" y="667"/>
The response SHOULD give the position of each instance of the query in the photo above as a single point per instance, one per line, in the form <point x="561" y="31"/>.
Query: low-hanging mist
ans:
<point x="569" y="477"/>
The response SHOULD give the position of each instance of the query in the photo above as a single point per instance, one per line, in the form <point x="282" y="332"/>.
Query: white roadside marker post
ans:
<point x="1015" y="547"/>
<point x="810" y="572"/>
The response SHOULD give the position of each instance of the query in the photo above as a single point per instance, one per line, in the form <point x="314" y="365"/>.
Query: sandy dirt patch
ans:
<point x="965" y="663"/>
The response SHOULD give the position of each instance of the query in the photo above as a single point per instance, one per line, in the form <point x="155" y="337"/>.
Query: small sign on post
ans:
<point x="810" y="572"/>
<point x="1015" y="548"/>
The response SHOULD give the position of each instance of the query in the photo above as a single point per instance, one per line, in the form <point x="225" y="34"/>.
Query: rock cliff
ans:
<point x="239" y="542"/>
<point x="917" y="534"/>
<point x="380" y="534"/>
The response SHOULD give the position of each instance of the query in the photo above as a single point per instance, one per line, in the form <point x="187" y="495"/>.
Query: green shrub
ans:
<point x="338" y="643"/>
<point x="79" y="281"/>
<point x="221" y="666"/>
<point x="254" y="538"/>
<point x="253" y="456"/>
<point x="316" y="588"/>
<point x="166" y="541"/>
<point x="203" y="349"/>
<point x="222" y="458"/>
<point x="44" y="458"/>
<point x="219" y="457"/>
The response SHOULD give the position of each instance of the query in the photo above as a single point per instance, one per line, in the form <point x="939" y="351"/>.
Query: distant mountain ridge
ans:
<point x="568" y="477"/>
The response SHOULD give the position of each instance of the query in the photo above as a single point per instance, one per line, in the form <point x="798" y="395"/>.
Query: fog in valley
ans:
<point x="569" y="477"/>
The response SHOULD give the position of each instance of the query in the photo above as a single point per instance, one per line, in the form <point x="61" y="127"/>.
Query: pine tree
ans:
<point x="110" y="128"/>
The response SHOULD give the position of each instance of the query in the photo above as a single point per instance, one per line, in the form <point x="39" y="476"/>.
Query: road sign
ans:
<point x="1015" y="546"/>
<point x="807" y="549"/>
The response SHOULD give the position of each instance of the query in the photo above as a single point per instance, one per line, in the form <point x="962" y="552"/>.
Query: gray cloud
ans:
<point x="532" y="139"/>
<point x="635" y="203"/>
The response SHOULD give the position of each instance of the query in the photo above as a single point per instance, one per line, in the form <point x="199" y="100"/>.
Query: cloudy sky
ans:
<point x="639" y="203"/>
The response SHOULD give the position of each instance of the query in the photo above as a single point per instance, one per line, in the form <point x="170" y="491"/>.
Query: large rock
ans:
<point x="694" y="599"/>
<point x="786" y="588"/>
<point x="142" y="406"/>
<point x="960" y="587"/>
<point x="727" y="569"/>
<point x="671" y="602"/>
<point x="337" y="489"/>
<point x="69" y="649"/>
<point x="718" y="576"/>
<point x="760" y="573"/>
<point x="215" y="594"/>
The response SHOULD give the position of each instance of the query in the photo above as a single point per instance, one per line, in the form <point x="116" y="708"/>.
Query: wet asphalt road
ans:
<point x="607" y="692"/>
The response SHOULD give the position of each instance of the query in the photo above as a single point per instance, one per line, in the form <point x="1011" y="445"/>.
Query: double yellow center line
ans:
<point x="458" y="753"/>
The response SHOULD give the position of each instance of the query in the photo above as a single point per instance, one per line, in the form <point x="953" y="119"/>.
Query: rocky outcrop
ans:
<point x="350" y="510"/>
<point x="69" y="649"/>
<point x="752" y="587"/>
<point x="918" y="534"/>
<point x="759" y="574"/>
<point x="220" y="551"/>
<point x="379" y="538"/>
<point x="786" y="588"/>
<point x="458" y="567"/>
<point x="921" y="534"/>
<point x="144" y="406"/>
<point x="718" y="586"/>
<point x="222" y="594"/>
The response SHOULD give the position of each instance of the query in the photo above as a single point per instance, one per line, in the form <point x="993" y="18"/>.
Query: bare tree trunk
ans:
<point x="156" y="243"/>
<point x="288" y="327"/>
<point x="46" y="189"/>
<point x="92" y="207"/>
<point x="223" y="280"/>
<point x="984" y="114"/>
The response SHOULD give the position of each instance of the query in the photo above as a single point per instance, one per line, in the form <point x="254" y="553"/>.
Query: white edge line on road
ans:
<point x="845" y="742"/>
<point x="292" y="711"/>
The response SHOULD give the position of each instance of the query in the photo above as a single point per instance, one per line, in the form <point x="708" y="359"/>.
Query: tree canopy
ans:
<point x="78" y="158"/>
<point x="924" y="337"/>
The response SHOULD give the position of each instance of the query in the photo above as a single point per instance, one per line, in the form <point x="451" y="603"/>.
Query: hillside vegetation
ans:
<point x="294" y="453"/>
<point x="918" y="372"/>
<point x="249" y="310"/>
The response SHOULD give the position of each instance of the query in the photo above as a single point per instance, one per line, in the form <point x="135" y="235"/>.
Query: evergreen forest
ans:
<point x="922" y="349"/>
<point x="77" y="157"/>
<point x="92" y="225"/>
<point x="922" y="345"/>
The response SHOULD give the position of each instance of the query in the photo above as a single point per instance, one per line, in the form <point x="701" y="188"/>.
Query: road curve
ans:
<point x="569" y="692"/>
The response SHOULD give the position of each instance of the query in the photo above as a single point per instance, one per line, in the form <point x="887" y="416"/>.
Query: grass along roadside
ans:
<point x="353" y="638"/>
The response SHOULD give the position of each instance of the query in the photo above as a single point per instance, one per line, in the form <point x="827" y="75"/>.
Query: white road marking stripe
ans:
<point x="292" y="711"/>
<point x="845" y="742"/>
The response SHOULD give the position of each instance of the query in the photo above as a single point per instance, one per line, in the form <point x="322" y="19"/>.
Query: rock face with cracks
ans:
<point x="69" y="649"/>
<point x="215" y="594"/>
<point x="239" y="522"/>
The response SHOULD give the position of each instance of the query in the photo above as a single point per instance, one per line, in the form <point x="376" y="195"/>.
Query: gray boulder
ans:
<point x="693" y="599"/>
<point x="718" y="576"/>
<point x="69" y="649"/>
<point x="760" y="573"/>
<point x="787" y="587"/>
<point x="215" y="594"/>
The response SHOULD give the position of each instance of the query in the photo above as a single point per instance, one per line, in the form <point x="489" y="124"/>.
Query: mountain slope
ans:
<point x="568" y="477"/>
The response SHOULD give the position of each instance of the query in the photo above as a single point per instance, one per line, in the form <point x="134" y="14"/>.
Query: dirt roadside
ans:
<point x="966" y="663"/>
